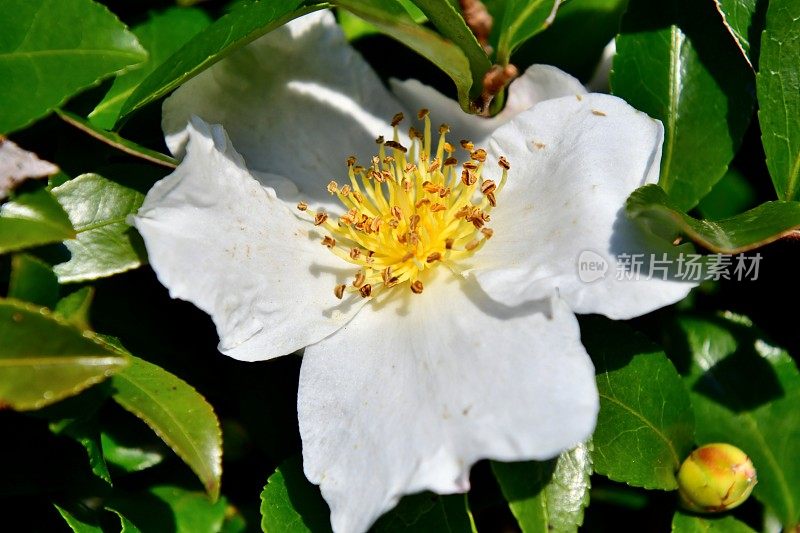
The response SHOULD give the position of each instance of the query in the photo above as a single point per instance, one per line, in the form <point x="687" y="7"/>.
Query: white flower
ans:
<point x="402" y="392"/>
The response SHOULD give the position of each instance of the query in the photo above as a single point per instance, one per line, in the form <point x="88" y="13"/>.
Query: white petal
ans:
<point x="296" y="102"/>
<point x="573" y="164"/>
<point x="219" y="239"/>
<point x="538" y="83"/>
<point x="409" y="395"/>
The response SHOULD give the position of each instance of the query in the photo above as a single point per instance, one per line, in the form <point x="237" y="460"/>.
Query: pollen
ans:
<point x="412" y="209"/>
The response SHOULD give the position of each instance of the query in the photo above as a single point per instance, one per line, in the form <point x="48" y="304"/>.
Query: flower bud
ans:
<point x="715" y="477"/>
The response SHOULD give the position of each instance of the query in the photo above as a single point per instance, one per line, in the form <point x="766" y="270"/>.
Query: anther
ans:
<point x="302" y="206"/>
<point x="416" y="287"/>
<point x="320" y="218"/>
<point x="448" y="243"/>
<point x="503" y="162"/>
<point x="386" y="274"/>
<point x="380" y="140"/>
<point x="355" y="253"/>
<point x="329" y="241"/>
<point x="333" y="187"/>
<point x="467" y="145"/>
<point x="360" y="278"/>
<point x="397" y="119"/>
<point x="351" y="160"/>
<point x="422" y="113"/>
<point x="488" y="186"/>
<point x="396" y="146"/>
<point x="435" y="256"/>
<point x="479" y="155"/>
<point x="339" y="291"/>
<point x="444" y="128"/>
<point x="450" y="161"/>
<point x="471" y="245"/>
<point x="487" y="232"/>
<point x="365" y="290"/>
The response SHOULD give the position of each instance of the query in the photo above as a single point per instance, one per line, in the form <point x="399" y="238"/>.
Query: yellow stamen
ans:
<point x="409" y="210"/>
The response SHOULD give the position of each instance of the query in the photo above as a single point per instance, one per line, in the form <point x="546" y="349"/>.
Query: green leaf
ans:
<point x="428" y="512"/>
<point x="675" y="63"/>
<point x="116" y="141"/>
<point x="31" y="219"/>
<point x="170" y="508"/>
<point x="522" y="19"/>
<point x="650" y="206"/>
<point x="51" y="49"/>
<point x="162" y="35"/>
<point x="395" y="22"/>
<point x="74" y="308"/>
<point x="79" y="518"/>
<point x="44" y="359"/>
<point x="32" y="280"/>
<point x="105" y="243"/>
<point x="687" y="523"/>
<point x="548" y="496"/>
<point x="731" y="195"/>
<point x="126" y="526"/>
<point x="242" y="25"/>
<point x="177" y="413"/>
<point x="291" y="504"/>
<point x="738" y="17"/>
<point x="587" y="25"/>
<point x="85" y="430"/>
<point x="126" y="457"/>
<point x="451" y="24"/>
<point x="746" y="392"/>
<point x="645" y="426"/>
<point x="779" y="96"/>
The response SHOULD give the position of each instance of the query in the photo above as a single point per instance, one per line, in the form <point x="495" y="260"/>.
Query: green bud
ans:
<point x="715" y="477"/>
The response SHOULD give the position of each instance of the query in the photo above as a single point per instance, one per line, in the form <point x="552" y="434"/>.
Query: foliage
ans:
<point x="118" y="414"/>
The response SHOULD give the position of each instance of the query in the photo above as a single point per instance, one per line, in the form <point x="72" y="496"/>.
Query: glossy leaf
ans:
<point x="428" y="512"/>
<point x="522" y="19"/>
<point x="170" y="508"/>
<point x="675" y="62"/>
<point x="127" y="457"/>
<point x="74" y="307"/>
<point x="105" y="243"/>
<point x="746" y="392"/>
<point x="395" y="22"/>
<point x="32" y="280"/>
<point x="51" y="49"/>
<point x="732" y="195"/>
<point x="779" y="96"/>
<point x="688" y="523"/>
<point x="85" y="430"/>
<point x="242" y="25"/>
<point x="290" y="503"/>
<point x="645" y="427"/>
<point x="587" y="25"/>
<point x="177" y="413"/>
<point x="161" y="35"/>
<point x="548" y="496"/>
<point x="757" y="227"/>
<point x="739" y="19"/>
<point x="44" y="359"/>
<point x="450" y="23"/>
<point x="79" y="520"/>
<point x="31" y="219"/>
<point x="116" y="141"/>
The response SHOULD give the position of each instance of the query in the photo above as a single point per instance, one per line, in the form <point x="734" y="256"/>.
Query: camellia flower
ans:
<point x="434" y="299"/>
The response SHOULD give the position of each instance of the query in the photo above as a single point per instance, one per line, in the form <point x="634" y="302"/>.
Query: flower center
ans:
<point x="407" y="212"/>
